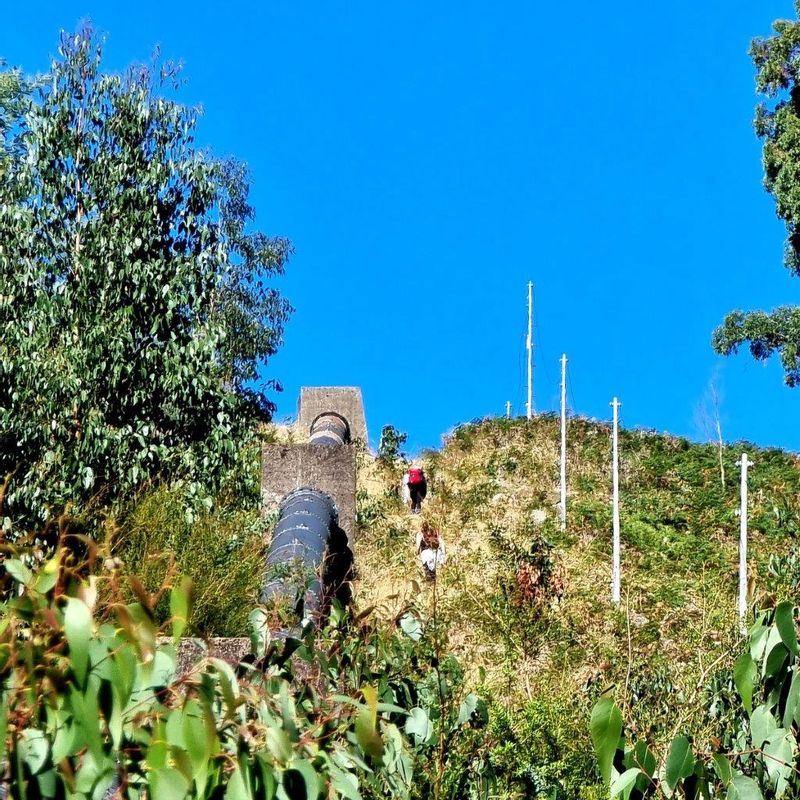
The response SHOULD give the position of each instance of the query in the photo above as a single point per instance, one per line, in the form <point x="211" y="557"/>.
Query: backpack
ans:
<point x="415" y="476"/>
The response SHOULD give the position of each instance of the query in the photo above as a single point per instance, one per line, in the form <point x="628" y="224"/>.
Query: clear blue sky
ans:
<point x="428" y="158"/>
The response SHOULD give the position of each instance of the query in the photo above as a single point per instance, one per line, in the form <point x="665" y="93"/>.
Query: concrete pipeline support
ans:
<point x="310" y="488"/>
<point x="309" y="559"/>
<point x="329" y="428"/>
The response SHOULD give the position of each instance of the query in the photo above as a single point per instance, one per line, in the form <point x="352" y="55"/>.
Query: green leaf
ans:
<point x="194" y="734"/>
<point x="18" y="571"/>
<point x="624" y="782"/>
<point x="759" y="635"/>
<point x="167" y="783"/>
<point x="278" y="744"/>
<point x="743" y="788"/>
<point x="606" y="729"/>
<point x="345" y="783"/>
<point x="390" y="708"/>
<point x="776" y="653"/>
<point x="473" y="710"/>
<point x="179" y="605"/>
<point x="269" y="775"/>
<point x="366" y="733"/>
<point x="301" y="782"/>
<point x="411" y="627"/>
<point x="644" y="758"/>
<point x="419" y="726"/>
<point x="47" y="783"/>
<point x="680" y="762"/>
<point x="762" y="726"/>
<point x="776" y="660"/>
<point x="790" y="708"/>
<point x="778" y="760"/>
<point x="467" y="709"/>
<point x="228" y="684"/>
<point x="723" y="767"/>
<point x="744" y="676"/>
<point x="78" y="630"/>
<point x="33" y="749"/>
<point x="784" y="621"/>
<point x="64" y="742"/>
<point x="237" y="788"/>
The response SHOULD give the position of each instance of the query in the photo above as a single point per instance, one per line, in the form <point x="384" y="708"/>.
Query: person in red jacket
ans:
<point x="417" y="487"/>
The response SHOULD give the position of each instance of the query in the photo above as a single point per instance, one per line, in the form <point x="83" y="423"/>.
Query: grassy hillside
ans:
<point x="523" y="606"/>
<point x="526" y="607"/>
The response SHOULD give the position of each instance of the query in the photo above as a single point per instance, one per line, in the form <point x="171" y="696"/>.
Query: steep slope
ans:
<point x="527" y="607"/>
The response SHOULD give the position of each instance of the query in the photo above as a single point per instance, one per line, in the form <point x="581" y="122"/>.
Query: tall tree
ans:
<point x="13" y="92"/>
<point x="134" y="301"/>
<point x="777" y="123"/>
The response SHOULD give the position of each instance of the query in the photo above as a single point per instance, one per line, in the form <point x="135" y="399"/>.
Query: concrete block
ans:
<point x="328" y="469"/>
<point x="191" y="651"/>
<point x="343" y="400"/>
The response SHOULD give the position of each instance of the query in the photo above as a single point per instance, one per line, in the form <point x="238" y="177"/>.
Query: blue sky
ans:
<point x="427" y="159"/>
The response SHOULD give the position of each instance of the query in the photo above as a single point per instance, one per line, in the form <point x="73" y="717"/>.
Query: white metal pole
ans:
<point x="744" y="463"/>
<point x="615" y="568"/>
<point x="563" y="506"/>
<point x="530" y="349"/>
<point x="508" y="409"/>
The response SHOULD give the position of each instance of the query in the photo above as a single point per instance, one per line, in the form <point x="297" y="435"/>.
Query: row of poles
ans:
<point x="616" y="573"/>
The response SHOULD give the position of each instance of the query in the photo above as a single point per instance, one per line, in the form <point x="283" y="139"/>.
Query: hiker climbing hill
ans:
<point x="415" y="487"/>
<point x="430" y="549"/>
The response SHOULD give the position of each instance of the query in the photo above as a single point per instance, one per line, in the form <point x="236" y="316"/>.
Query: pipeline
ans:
<point x="297" y="552"/>
<point x="308" y="561"/>
<point x="329" y="428"/>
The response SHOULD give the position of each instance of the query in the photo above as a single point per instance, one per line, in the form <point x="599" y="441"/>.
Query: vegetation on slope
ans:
<point x="521" y="613"/>
<point x="527" y="607"/>
<point x="92" y="703"/>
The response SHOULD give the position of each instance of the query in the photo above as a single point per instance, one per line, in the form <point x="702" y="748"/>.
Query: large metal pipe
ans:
<point x="329" y="428"/>
<point x="295" y="561"/>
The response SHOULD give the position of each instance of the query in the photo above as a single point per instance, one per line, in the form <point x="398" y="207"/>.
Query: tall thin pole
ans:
<point x="508" y="409"/>
<point x="563" y="504"/>
<point x="530" y="349"/>
<point x="615" y="570"/>
<point x="744" y="463"/>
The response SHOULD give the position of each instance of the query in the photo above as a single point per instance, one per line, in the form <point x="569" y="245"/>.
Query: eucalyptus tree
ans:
<point x="777" y="123"/>
<point x="135" y="307"/>
<point x="13" y="93"/>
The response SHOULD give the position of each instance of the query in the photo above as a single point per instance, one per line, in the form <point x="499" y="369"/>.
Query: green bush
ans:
<point x="90" y="699"/>
<point x="542" y="750"/>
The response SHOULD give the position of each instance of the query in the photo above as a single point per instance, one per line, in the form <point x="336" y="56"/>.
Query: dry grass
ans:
<point x="494" y="485"/>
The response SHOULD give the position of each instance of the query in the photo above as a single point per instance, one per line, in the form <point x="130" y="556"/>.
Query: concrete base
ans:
<point x="343" y="400"/>
<point x="328" y="469"/>
<point x="231" y="650"/>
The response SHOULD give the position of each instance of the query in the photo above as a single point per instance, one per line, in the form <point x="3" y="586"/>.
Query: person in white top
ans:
<point x="430" y="549"/>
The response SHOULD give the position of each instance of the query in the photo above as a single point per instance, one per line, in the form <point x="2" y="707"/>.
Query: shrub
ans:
<point x="390" y="443"/>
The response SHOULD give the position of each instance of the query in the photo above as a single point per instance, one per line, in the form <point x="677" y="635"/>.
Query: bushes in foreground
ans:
<point x="91" y="702"/>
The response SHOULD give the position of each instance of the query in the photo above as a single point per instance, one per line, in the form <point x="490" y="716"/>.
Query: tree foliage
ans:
<point x="13" y="93"/>
<point x="133" y="296"/>
<point x="777" y="122"/>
